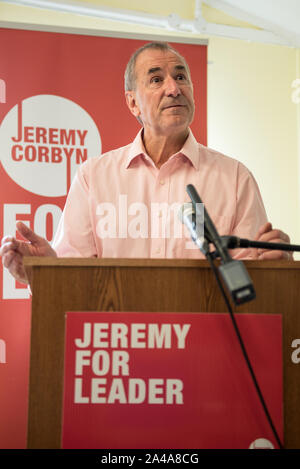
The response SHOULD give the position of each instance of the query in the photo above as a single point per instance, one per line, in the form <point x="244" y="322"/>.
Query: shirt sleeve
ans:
<point x="250" y="212"/>
<point x="74" y="236"/>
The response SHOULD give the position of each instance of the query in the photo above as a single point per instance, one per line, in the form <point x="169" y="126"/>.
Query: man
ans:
<point x="153" y="170"/>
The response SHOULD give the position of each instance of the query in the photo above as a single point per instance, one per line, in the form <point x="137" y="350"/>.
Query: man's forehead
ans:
<point x="153" y="59"/>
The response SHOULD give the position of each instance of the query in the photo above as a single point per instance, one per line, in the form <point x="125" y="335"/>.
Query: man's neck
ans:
<point x="161" y="147"/>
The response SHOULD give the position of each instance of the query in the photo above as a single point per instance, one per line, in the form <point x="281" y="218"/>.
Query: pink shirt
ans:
<point x="120" y="203"/>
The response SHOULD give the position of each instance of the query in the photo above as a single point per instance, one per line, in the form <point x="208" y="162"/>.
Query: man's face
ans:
<point x="163" y="98"/>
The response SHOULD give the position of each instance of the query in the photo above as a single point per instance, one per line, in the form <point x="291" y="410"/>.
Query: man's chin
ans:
<point x="177" y="122"/>
<point x="174" y="128"/>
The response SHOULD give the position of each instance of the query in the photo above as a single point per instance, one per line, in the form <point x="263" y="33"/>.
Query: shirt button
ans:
<point x="162" y="182"/>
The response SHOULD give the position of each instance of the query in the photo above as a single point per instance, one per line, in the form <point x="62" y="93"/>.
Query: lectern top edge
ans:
<point x="176" y="263"/>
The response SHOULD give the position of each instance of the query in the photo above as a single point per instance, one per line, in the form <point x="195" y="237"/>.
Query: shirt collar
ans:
<point x="190" y="150"/>
<point x="136" y="149"/>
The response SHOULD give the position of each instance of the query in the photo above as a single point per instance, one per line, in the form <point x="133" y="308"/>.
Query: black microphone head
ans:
<point x="194" y="196"/>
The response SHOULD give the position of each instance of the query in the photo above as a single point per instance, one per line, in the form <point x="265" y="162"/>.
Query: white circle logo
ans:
<point x="261" y="443"/>
<point x="42" y="142"/>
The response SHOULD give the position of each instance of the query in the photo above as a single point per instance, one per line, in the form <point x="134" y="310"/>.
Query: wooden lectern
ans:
<point x="60" y="285"/>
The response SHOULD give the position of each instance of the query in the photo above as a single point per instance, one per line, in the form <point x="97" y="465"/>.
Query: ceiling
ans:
<point x="279" y="16"/>
<point x="268" y="21"/>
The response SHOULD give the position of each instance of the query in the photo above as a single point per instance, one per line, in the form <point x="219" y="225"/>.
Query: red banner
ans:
<point x="170" y="380"/>
<point x="61" y="102"/>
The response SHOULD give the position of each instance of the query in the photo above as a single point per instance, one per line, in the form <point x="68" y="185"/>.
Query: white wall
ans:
<point x="251" y="116"/>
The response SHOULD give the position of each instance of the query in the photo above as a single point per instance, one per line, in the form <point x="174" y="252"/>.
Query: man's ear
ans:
<point x="131" y="103"/>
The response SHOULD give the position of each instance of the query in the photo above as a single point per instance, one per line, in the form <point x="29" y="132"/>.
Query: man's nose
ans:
<point x="172" y="87"/>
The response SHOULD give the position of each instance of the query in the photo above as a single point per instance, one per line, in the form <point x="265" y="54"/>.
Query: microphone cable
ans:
<point x="258" y="390"/>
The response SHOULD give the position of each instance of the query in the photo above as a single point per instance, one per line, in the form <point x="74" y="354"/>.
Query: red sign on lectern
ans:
<point x="170" y="380"/>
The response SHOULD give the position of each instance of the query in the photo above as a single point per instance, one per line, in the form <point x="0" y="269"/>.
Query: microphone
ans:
<point x="195" y="225"/>
<point x="209" y="228"/>
<point x="233" y="272"/>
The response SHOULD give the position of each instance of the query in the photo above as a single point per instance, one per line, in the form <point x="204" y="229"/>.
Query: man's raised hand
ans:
<point x="13" y="250"/>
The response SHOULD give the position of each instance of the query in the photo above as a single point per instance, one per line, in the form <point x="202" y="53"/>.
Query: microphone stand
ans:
<point x="234" y="276"/>
<point x="233" y="242"/>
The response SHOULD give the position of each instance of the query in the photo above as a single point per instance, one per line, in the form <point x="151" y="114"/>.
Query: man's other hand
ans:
<point x="13" y="250"/>
<point x="267" y="234"/>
